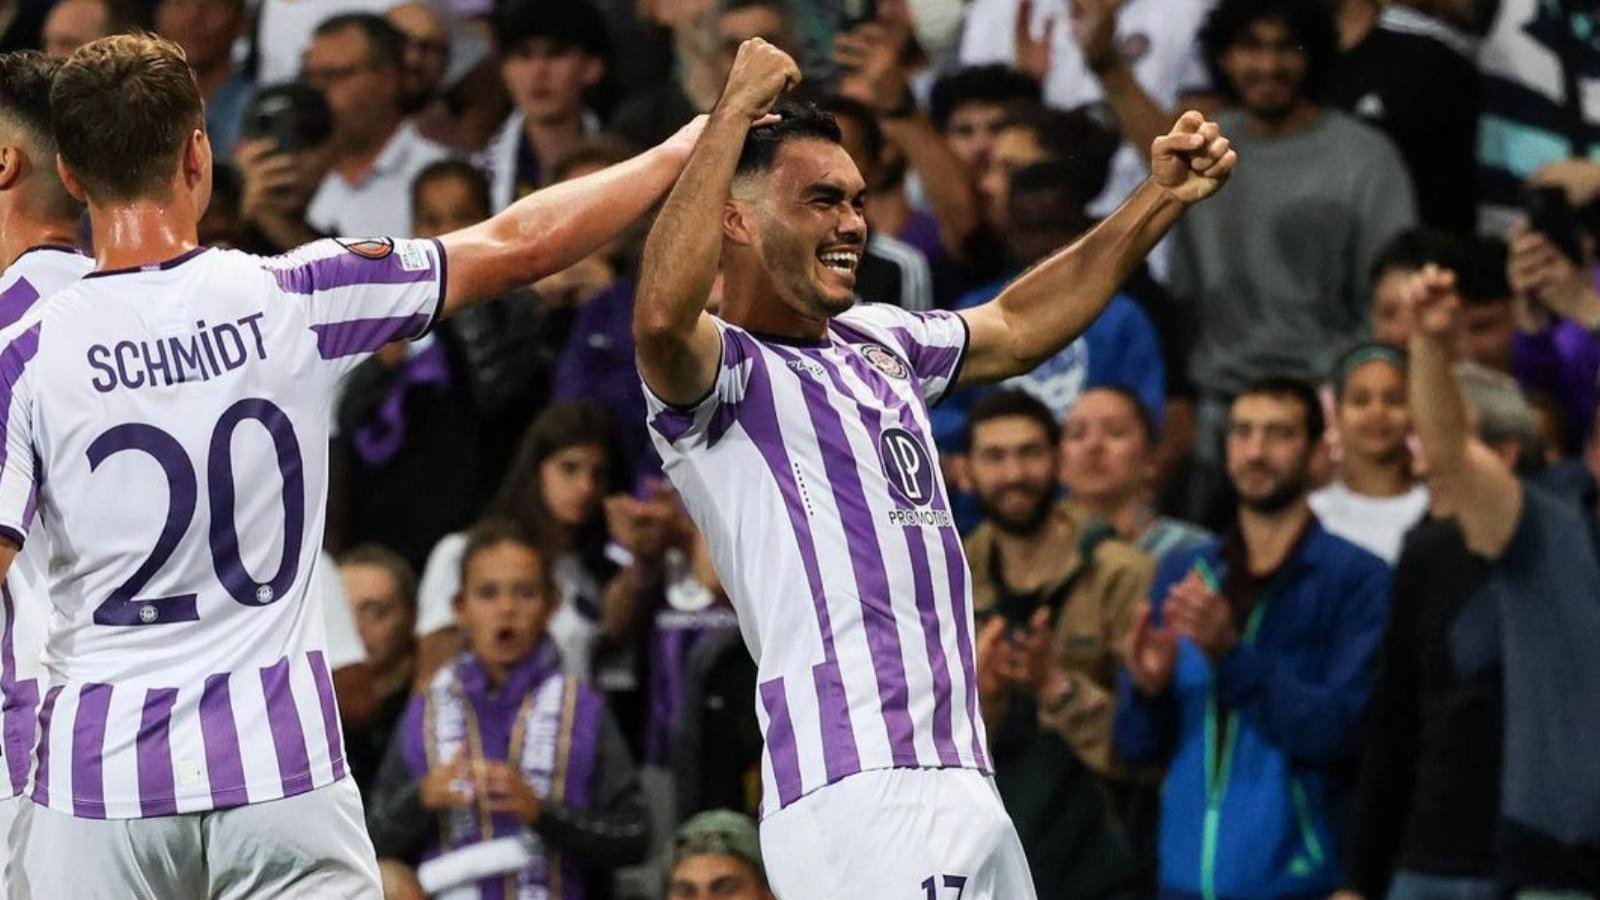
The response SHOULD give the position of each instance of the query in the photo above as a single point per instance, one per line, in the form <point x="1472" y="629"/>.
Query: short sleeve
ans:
<point x="441" y="580"/>
<point x="362" y="294"/>
<point x="676" y="429"/>
<point x="18" y="488"/>
<point x="934" y="343"/>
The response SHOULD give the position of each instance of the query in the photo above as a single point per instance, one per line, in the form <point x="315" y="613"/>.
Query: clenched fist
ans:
<point x="1193" y="160"/>
<point x="761" y="73"/>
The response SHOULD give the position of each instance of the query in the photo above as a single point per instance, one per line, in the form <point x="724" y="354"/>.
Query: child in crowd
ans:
<point x="508" y="778"/>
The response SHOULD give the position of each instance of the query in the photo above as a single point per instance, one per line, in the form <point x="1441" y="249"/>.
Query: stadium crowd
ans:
<point x="1287" y="571"/>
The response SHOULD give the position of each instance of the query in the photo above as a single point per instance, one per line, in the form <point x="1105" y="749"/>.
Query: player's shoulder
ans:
<point x="876" y="317"/>
<point x="337" y="262"/>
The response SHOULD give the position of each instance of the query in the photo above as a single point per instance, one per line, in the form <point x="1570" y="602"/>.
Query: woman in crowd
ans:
<point x="1108" y="464"/>
<point x="567" y="464"/>
<point x="1375" y="497"/>
<point x="508" y="778"/>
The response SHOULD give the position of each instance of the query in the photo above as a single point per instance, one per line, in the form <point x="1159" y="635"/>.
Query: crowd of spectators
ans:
<point x="1287" y="570"/>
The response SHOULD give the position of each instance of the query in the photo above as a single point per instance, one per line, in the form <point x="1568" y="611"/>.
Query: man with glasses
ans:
<point x="357" y="62"/>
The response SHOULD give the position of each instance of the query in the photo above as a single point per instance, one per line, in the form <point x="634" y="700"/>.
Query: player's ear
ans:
<point x="10" y="167"/>
<point x="736" y="224"/>
<point x="70" y="181"/>
<point x="197" y="158"/>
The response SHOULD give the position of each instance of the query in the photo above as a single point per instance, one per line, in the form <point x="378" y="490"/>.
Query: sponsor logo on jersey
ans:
<point x="368" y="248"/>
<point x="885" y="362"/>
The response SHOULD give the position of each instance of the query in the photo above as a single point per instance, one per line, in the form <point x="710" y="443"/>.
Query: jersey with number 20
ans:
<point x="172" y="421"/>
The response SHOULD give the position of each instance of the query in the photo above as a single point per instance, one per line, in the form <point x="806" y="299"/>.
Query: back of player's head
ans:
<point x="567" y="25"/>
<point x="124" y="108"/>
<point x="386" y="44"/>
<point x="25" y="78"/>
<point x="798" y="122"/>
<point x="1310" y="25"/>
<point x="1007" y="404"/>
<point x="995" y="85"/>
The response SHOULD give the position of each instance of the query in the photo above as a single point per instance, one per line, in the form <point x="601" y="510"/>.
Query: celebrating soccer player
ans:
<point x="796" y="428"/>
<point x="168" y="416"/>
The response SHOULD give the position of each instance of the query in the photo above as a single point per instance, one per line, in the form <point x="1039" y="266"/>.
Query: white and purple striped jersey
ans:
<point x="24" y="604"/>
<point x="810" y="469"/>
<point x="173" y="421"/>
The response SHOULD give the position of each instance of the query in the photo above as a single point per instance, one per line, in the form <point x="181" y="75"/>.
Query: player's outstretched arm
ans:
<point x="677" y="342"/>
<point x="8" y="552"/>
<point x="1468" y="480"/>
<point x="1052" y="303"/>
<point x="554" y="228"/>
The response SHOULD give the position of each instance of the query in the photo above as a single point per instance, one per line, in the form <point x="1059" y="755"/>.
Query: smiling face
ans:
<point x="504" y="603"/>
<point x="803" y="221"/>
<point x="1373" y="416"/>
<point x="1267" y="68"/>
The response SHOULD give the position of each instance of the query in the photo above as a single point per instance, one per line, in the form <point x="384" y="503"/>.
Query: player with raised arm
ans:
<point x="170" y="413"/>
<point x="795" y="426"/>
<point x="38" y="230"/>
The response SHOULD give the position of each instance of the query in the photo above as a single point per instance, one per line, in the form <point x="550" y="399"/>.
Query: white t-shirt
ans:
<point x="285" y="28"/>
<point x="381" y="202"/>
<point x="1375" y="524"/>
<point x="574" y="632"/>
<point x="1159" y="38"/>
<point x="172" y="421"/>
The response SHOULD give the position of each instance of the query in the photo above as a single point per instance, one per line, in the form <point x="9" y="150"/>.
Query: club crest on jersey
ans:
<point x="368" y="248"/>
<point x="885" y="362"/>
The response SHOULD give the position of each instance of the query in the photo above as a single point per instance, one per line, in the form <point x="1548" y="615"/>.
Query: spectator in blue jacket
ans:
<point x="1249" y="672"/>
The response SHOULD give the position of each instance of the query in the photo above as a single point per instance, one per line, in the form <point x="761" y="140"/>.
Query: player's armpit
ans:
<point x="679" y="369"/>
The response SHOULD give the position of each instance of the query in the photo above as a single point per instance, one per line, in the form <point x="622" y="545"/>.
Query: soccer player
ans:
<point x="38" y="228"/>
<point x="170" y="412"/>
<point x="796" y="428"/>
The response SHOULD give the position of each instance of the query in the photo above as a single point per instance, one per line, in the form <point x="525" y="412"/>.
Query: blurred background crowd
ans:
<point x="1257" y="363"/>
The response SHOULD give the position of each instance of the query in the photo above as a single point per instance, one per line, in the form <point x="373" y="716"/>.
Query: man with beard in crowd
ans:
<point x="1250" y="676"/>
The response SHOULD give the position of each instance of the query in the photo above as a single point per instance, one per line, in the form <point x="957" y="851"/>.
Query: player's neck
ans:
<point x="19" y="234"/>
<point x="142" y="233"/>
<point x="1269" y="537"/>
<point x="750" y="301"/>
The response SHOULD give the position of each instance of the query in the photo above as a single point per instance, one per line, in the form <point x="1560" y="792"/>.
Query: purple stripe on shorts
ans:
<point x="157" y="796"/>
<point x="41" y="776"/>
<point x="781" y="748"/>
<point x="340" y="339"/>
<point x="866" y="562"/>
<point x="224" y="765"/>
<point x="21" y="727"/>
<point x="922" y="575"/>
<point x="330" y="711"/>
<point x="13" y="360"/>
<point x="88" y="751"/>
<point x="759" y="418"/>
<point x="344" y="269"/>
<point x="288" y="738"/>
<point x="16" y="301"/>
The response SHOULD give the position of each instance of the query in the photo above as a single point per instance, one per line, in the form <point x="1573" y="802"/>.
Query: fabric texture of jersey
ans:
<point x="811" y="470"/>
<point x="173" y="421"/>
<point x="24" y="604"/>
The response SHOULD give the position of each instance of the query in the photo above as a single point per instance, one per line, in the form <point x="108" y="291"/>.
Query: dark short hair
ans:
<point x="1141" y="412"/>
<point x="453" y="170"/>
<point x="492" y="532"/>
<point x="395" y="565"/>
<point x="849" y="108"/>
<point x="25" y="79"/>
<point x="386" y="44"/>
<point x="1310" y="24"/>
<point x="1010" y="403"/>
<point x="1414" y="248"/>
<point x="568" y="24"/>
<point x="1075" y="138"/>
<point x="799" y="122"/>
<point x="996" y="85"/>
<point x="1298" y="390"/>
<point x="123" y="108"/>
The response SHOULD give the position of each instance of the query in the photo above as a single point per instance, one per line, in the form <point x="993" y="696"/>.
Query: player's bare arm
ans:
<point x="1466" y="477"/>
<point x="1052" y="303"/>
<point x="8" y="553"/>
<point x="678" y="344"/>
<point x="554" y="228"/>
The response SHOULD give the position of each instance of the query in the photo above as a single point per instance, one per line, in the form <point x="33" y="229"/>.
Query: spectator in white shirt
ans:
<point x="1375" y="498"/>
<point x="356" y="62"/>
